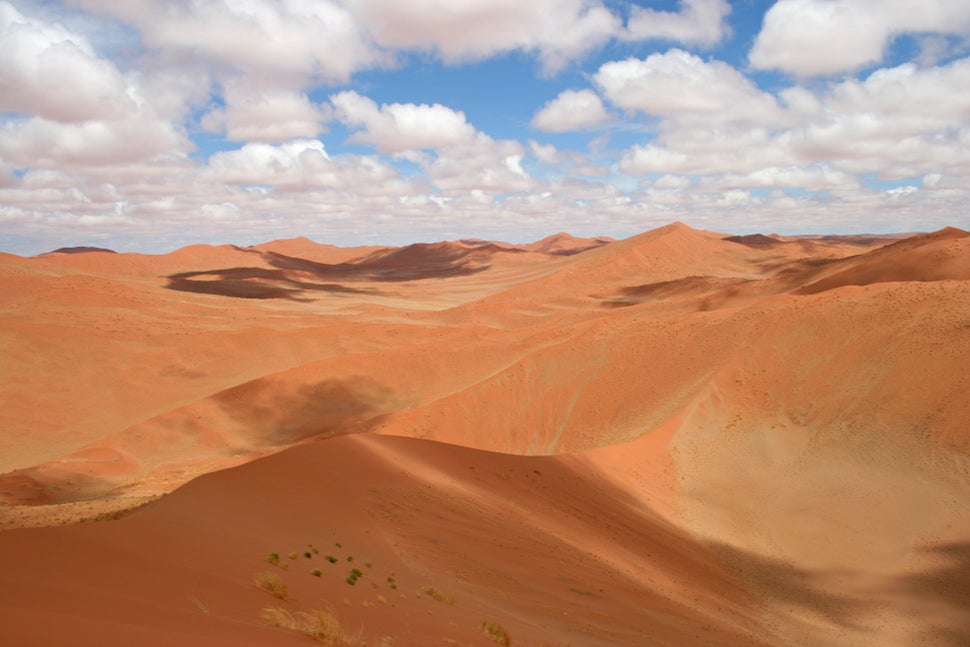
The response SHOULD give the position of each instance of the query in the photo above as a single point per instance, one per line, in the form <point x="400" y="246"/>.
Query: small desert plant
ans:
<point x="308" y="554"/>
<point x="355" y="573"/>
<point x="350" y="558"/>
<point x="433" y="593"/>
<point x="322" y="626"/>
<point x="331" y="559"/>
<point x="272" y="584"/>
<point x="278" y="617"/>
<point x="368" y="565"/>
<point x="496" y="632"/>
<point x="316" y="572"/>
<point x="293" y="555"/>
<point x="273" y="558"/>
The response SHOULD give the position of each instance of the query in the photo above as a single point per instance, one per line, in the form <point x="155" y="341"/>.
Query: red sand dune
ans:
<point x="681" y="438"/>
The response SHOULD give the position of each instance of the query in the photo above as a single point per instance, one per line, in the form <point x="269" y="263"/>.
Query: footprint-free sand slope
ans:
<point x="543" y="546"/>
<point x="734" y="438"/>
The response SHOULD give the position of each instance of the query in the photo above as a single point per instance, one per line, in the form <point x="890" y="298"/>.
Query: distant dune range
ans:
<point x="679" y="438"/>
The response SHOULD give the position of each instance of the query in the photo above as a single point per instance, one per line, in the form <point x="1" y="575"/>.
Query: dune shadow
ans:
<point x="717" y="290"/>
<point x="276" y="415"/>
<point x="789" y="586"/>
<point x="297" y="279"/>
<point x="411" y="263"/>
<point x="254" y="283"/>
<point x="46" y="485"/>
<point x="948" y="585"/>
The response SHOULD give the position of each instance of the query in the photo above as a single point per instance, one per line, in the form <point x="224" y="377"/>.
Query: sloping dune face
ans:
<point x="679" y="438"/>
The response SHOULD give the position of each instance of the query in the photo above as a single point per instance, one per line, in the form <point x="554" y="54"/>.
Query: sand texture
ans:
<point x="679" y="438"/>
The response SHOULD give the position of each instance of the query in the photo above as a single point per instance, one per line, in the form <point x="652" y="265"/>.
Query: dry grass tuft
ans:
<point x="322" y="626"/>
<point x="272" y="584"/>
<point x="435" y="594"/>
<point x="279" y="617"/>
<point x="496" y="632"/>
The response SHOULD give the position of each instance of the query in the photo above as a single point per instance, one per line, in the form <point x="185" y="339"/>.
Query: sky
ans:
<point x="147" y="125"/>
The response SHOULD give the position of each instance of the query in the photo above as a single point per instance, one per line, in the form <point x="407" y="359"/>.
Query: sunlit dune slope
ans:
<point x="544" y="547"/>
<point x="683" y="437"/>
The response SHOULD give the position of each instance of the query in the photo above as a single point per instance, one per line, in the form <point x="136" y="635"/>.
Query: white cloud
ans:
<point x="291" y="40"/>
<point x="680" y="85"/>
<point x="482" y="164"/>
<point x="559" y="31"/>
<point x="79" y="108"/>
<point x="41" y="143"/>
<point x="935" y="93"/>
<point x="400" y="127"/>
<point x="816" y="177"/>
<point x="897" y="123"/>
<point x="699" y="22"/>
<point x="50" y="72"/>
<point x="824" y="37"/>
<point x="571" y="110"/>
<point x="255" y="113"/>
<point x="296" y="165"/>
<point x="672" y="182"/>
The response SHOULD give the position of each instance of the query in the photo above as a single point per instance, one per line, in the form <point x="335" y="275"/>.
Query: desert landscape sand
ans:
<point x="680" y="438"/>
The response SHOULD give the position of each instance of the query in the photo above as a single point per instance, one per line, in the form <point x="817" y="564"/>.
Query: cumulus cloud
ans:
<point x="266" y="114"/>
<point x="42" y="143"/>
<point x="815" y="177"/>
<point x="48" y="71"/>
<point x="559" y="31"/>
<point x="825" y="37"/>
<point x="298" y="164"/>
<point x="483" y="165"/>
<point x="677" y="84"/>
<point x="896" y="123"/>
<point x="699" y="22"/>
<point x="296" y="39"/>
<point x="571" y="110"/>
<point x="400" y="127"/>
<point x="77" y="108"/>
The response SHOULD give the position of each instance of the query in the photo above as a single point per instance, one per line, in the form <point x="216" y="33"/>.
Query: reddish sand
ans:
<point x="681" y="438"/>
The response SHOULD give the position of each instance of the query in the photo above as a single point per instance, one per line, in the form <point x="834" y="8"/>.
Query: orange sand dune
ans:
<point x="684" y="437"/>
<point x="541" y="546"/>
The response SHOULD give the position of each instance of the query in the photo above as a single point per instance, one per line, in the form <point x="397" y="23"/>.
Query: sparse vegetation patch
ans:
<point x="322" y="626"/>
<point x="496" y="632"/>
<point x="435" y="594"/>
<point x="272" y="584"/>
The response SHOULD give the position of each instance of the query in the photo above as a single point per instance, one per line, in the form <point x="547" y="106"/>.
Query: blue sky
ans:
<point x="148" y="125"/>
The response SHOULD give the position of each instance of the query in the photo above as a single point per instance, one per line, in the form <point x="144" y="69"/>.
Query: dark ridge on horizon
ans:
<point x="81" y="249"/>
